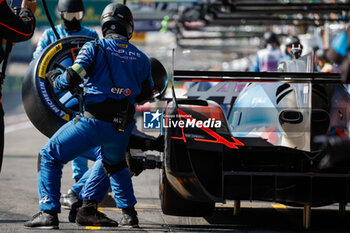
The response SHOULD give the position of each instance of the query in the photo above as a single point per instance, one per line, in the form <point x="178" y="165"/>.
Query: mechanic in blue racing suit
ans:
<point x="119" y="76"/>
<point x="71" y="12"/>
<point x="94" y="183"/>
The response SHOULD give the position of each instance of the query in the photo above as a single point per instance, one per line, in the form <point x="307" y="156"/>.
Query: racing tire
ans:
<point x="42" y="103"/>
<point x="173" y="204"/>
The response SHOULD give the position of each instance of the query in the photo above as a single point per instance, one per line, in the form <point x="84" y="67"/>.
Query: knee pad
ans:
<point x="111" y="169"/>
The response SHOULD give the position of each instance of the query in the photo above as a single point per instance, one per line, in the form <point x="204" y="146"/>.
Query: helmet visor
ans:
<point x="71" y="15"/>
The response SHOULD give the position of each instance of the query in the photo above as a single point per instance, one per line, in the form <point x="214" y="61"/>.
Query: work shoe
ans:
<point x="129" y="218"/>
<point x="88" y="215"/>
<point x="74" y="210"/>
<point x="46" y="219"/>
<point x="68" y="199"/>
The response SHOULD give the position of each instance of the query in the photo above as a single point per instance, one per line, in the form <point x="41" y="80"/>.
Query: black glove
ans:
<point x="52" y="75"/>
<point x="135" y="166"/>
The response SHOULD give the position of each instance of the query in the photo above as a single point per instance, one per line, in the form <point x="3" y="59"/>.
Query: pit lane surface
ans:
<point x="19" y="201"/>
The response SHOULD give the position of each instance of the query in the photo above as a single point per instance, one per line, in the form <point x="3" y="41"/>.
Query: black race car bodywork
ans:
<point x="261" y="148"/>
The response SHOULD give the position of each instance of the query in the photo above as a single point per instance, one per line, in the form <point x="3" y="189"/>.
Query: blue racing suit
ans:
<point x="79" y="164"/>
<point x="48" y="37"/>
<point x="120" y="72"/>
<point x="96" y="180"/>
<point x="93" y="155"/>
<point x="94" y="184"/>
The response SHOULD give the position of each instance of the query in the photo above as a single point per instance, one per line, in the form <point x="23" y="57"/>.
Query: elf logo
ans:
<point x="121" y="91"/>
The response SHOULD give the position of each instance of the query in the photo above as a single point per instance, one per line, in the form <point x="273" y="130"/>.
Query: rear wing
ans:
<point x="265" y="77"/>
<point x="236" y="76"/>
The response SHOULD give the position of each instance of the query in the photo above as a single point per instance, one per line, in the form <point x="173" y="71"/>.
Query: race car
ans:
<point x="262" y="147"/>
<point x="255" y="142"/>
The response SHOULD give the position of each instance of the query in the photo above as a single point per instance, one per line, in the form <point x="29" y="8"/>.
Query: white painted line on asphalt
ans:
<point x="12" y="119"/>
<point x="16" y="122"/>
<point x="18" y="126"/>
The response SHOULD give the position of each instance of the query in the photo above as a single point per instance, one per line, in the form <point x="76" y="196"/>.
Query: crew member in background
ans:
<point x="323" y="64"/>
<point x="72" y="13"/>
<point x="95" y="183"/>
<point x="290" y="41"/>
<point x="118" y="78"/>
<point x="13" y="28"/>
<point x="339" y="53"/>
<point x="267" y="59"/>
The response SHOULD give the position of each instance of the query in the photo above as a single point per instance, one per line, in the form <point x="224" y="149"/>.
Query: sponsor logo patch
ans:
<point x="121" y="91"/>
